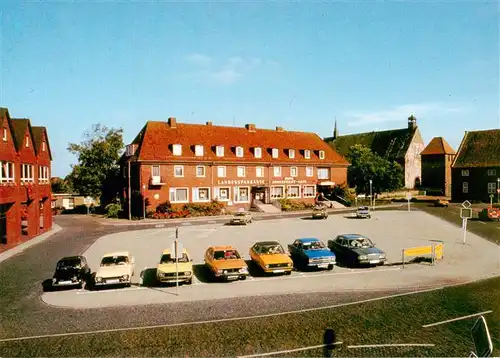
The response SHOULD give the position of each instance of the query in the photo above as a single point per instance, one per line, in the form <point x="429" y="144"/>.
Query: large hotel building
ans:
<point x="195" y="163"/>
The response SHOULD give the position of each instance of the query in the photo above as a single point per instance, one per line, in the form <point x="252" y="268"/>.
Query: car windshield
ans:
<point x="240" y="214"/>
<point x="114" y="260"/>
<point x="361" y="243"/>
<point x="226" y="255"/>
<point x="313" y="245"/>
<point x="169" y="259"/>
<point x="68" y="263"/>
<point x="269" y="249"/>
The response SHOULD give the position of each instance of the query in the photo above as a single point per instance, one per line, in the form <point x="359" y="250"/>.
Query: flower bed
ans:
<point x="168" y="210"/>
<point x="294" y="205"/>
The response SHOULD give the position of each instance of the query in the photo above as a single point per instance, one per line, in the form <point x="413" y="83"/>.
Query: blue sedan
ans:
<point x="311" y="253"/>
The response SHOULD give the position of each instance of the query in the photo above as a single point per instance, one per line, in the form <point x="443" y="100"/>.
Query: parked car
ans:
<point x="354" y="249"/>
<point x="441" y="203"/>
<point x="241" y="218"/>
<point x="271" y="257"/>
<point x="225" y="262"/>
<point x="311" y="252"/>
<point x="166" y="271"/>
<point x="116" y="268"/>
<point x="319" y="212"/>
<point x="363" y="212"/>
<point x="71" y="271"/>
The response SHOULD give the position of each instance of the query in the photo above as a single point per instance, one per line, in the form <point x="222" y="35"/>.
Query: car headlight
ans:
<point x="244" y="270"/>
<point x="125" y="277"/>
<point x="74" y="278"/>
<point x="220" y="272"/>
<point x="161" y="274"/>
<point x="267" y="267"/>
<point x="54" y="280"/>
<point x="98" y="279"/>
<point x="187" y="273"/>
<point x="290" y="264"/>
<point x="363" y="257"/>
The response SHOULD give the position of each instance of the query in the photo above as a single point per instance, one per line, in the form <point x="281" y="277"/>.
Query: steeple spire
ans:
<point x="335" y="130"/>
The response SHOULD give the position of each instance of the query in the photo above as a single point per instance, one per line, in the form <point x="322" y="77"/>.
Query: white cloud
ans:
<point x="361" y="118"/>
<point x="227" y="71"/>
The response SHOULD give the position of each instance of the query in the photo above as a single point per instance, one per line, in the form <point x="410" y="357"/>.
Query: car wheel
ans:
<point x="288" y="273"/>
<point x="190" y="281"/>
<point x="330" y="267"/>
<point x="243" y="278"/>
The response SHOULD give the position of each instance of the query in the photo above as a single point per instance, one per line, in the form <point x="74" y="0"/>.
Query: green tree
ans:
<point x="366" y="165"/>
<point x="60" y="185"/>
<point x="97" y="172"/>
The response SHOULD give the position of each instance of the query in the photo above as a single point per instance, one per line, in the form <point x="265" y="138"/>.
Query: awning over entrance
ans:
<point x="327" y="183"/>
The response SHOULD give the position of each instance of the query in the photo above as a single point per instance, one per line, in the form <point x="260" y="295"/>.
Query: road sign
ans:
<point x="482" y="338"/>
<point x="466" y="204"/>
<point x="465" y="213"/>
<point x="408" y="196"/>
<point x="87" y="200"/>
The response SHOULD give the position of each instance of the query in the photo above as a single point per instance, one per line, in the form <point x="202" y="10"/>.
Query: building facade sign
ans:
<point x="241" y="182"/>
<point x="291" y="181"/>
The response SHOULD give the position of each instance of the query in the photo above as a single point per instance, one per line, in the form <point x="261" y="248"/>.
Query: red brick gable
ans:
<point x="7" y="148"/>
<point x="156" y="139"/>
<point x="40" y="137"/>
<point x="438" y="146"/>
<point x="21" y="131"/>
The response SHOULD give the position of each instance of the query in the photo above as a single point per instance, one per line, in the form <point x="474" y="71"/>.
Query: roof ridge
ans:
<point x="385" y="130"/>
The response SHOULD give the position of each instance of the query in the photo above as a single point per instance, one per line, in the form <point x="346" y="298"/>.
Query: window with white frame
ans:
<point x="307" y="154"/>
<point x="239" y="152"/>
<point x="291" y="153"/>
<point x="465" y="173"/>
<point x="294" y="171"/>
<point x="257" y="152"/>
<point x="309" y="171"/>
<point x="201" y="194"/>
<point x="155" y="171"/>
<point x="178" y="171"/>
<point x="240" y="172"/>
<point x="465" y="187"/>
<point x="492" y="172"/>
<point x="277" y="171"/>
<point x="222" y="194"/>
<point x="219" y="151"/>
<point x="198" y="150"/>
<point x="6" y="172"/>
<point x="200" y="171"/>
<point x="323" y="173"/>
<point x="242" y="194"/>
<point x="309" y="191"/>
<point x="275" y="152"/>
<point x="177" y="149"/>
<point x="259" y="172"/>
<point x="179" y="195"/>
<point x="321" y="154"/>
<point x="221" y="172"/>
<point x="293" y="191"/>
<point x="27" y="174"/>
<point x="43" y="146"/>
<point x="27" y="141"/>
<point x="43" y="174"/>
<point x="277" y="192"/>
<point x="4" y="134"/>
<point x="492" y="187"/>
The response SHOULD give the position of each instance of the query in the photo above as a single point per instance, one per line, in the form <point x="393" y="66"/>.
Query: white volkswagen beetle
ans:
<point x="116" y="268"/>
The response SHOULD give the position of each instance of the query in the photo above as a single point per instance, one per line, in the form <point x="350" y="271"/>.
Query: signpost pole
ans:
<point x="408" y="197"/>
<point x="176" y="261"/>
<point x="403" y="257"/>
<point x="465" y="228"/>
<point x="371" y="195"/>
<point x="491" y="200"/>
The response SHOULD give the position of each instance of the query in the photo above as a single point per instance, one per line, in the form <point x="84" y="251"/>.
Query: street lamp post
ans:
<point x="371" y="195"/>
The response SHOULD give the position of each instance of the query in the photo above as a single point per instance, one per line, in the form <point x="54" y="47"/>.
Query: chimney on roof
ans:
<point x="209" y="123"/>
<point x="412" y="122"/>
<point x="279" y="129"/>
<point x="250" y="127"/>
<point x="172" y="122"/>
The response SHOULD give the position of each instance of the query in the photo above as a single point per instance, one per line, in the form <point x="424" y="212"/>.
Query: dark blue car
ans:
<point x="311" y="252"/>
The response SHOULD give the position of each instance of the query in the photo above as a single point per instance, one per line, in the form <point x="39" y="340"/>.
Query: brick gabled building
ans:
<point x="476" y="168"/>
<point x="437" y="158"/>
<point x="195" y="163"/>
<point x="25" y="192"/>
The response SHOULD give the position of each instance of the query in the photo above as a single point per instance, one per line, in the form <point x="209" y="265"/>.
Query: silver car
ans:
<point x="241" y="218"/>
<point x="363" y="212"/>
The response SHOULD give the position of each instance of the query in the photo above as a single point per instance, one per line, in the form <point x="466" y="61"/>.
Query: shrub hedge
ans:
<point x="294" y="205"/>
<point x="168" y="210"/>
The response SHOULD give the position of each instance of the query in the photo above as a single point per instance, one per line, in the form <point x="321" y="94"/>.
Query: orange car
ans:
<point x="271" y="257"/>
<point x="224" y="262"/>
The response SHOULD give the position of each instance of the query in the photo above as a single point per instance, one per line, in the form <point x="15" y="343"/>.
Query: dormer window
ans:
<point x="291" y="153"/>
<point x="307" y="154"/>
<point x="4" y="135"/>
<point x="43" y="146"/>
<point x="198" y="150"/>
<point x="239" y="152"/>
<point x="27" y="142"/>
<point x="219" y="151"/>
<point x="321" y="154"/>
<point x="275" y="152"/>
<point x="257" y="152"/>
<point x="177" y="149"/>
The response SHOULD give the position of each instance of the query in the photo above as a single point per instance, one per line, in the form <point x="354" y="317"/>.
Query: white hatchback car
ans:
<point x="116" y="268"/>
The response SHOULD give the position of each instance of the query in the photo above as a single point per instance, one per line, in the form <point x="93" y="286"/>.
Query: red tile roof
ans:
<point x="438" y="146"/>
<point x="479" y="149"/>
<point x="156" y="139"/>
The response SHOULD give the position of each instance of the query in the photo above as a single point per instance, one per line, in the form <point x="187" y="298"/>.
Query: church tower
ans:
<point x="335" y="131"/>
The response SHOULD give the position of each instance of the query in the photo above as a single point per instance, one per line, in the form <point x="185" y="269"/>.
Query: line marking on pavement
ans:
<point x="393" y="345"/>
<point x="186" y="224"/>
<point x="482" y="222"/>
<point x="289" y="350"/>
<point x="455" y="319"/>
<point x="234" y="319"/>
<point x="113" y="290"/>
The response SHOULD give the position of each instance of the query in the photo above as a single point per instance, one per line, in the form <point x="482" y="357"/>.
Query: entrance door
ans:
<point x="3" y="223"/>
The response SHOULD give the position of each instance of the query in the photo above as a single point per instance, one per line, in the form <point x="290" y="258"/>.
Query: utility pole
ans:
<point x="129" y="194"/>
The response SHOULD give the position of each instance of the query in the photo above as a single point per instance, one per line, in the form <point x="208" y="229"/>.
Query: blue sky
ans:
<point x="68" y="65"/>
